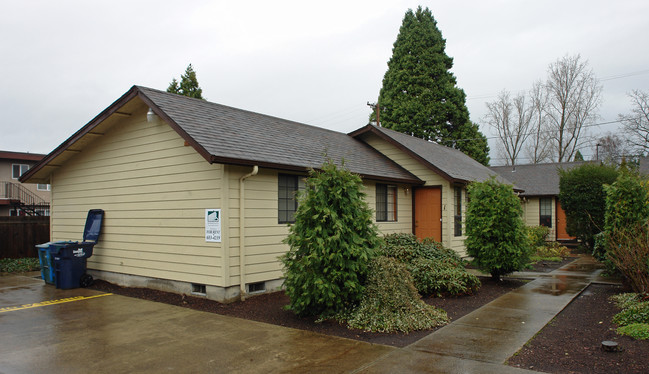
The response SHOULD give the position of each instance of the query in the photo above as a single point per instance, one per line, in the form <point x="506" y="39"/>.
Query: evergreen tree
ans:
<point x="419" y="94"/>
<point x="188" y="85"/>
<point x="578" y="156"/>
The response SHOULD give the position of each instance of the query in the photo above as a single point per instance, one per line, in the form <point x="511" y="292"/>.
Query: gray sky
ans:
<point x="63" y="61"/>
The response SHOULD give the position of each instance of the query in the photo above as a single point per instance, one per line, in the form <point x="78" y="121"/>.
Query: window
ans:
<point x="43" y="187"/>
<point x="457" y="193"/>
<point x="18" y="169"/>
<point x="386" y="203"/>
<point x="288" y="185"/>
<point x="545" y="211"/>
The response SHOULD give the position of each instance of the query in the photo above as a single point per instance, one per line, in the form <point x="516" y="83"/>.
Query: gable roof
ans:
<point x="452" y="164"/>
<point x="223" y="134"/>
<point x="20" y="156"/>
<point x="536" y="179"/>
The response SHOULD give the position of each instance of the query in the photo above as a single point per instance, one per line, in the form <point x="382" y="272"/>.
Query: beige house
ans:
<point x="540" y="198"/>
<point x="17" y="199"/>
<point x="198" y="196"/>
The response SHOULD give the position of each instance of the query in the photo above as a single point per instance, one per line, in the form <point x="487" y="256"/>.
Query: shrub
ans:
<point x="435" y="269"/>
<point x="625" y="238"/>
<point x="582" y="197"/>
<point x="625" y="300"/>
<point x="635" y="330"/>
<point x="553" y="249"/>
<point x="391" y="303"/>
<point x="19" y="265"/>
<point x="496" y="235"/>
<point x="537" y="235"/>
<point x="331" y="243"/>
<point x="434" y="277"/>
<point x="634" y="313"/>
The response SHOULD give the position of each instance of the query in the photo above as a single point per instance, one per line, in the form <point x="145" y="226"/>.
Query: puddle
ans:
<point x="559" y="285"/>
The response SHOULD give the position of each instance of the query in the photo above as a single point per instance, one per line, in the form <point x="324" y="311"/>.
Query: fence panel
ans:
<point x="20" y="235"/>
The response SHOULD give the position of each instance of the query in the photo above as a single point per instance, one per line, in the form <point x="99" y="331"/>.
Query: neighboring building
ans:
<point x="170" y="171"/>
<point x="17" y="199"/>
<point x="643" y="165"/>
<point x="540" y="197"/>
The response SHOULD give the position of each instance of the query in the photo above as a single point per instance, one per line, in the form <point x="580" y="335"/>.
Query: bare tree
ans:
<point x="636" y="124"/>
<point x="573" y="98"/>
<point x="511" y="119"/>
<point x="538" y="148"/>
<point x="611" y="148"/>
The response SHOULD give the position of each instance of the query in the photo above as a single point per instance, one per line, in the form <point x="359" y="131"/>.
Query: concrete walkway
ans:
<point x="483" y="340"/>
<point x="45" y="330"/>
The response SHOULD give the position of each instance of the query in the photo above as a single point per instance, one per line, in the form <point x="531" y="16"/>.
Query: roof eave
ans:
<point x="372" y="129"/>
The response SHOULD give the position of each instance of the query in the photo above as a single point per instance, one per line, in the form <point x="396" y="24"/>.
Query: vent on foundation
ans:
<point x="198" y="289"/>
<point x="257" y="287"/>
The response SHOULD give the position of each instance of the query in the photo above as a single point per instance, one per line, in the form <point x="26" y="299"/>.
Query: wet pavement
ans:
<point x="45" y="330"/>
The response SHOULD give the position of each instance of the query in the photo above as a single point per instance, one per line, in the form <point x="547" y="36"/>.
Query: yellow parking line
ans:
<point x="50" y="302"/>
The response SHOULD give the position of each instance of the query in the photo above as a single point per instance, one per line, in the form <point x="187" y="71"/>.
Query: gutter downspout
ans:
<point x="242" y="232"/>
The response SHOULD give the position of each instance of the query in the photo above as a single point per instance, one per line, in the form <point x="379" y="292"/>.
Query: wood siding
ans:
<point x="532" y="211"/>
<point x="431" y="178"/>
<point x="154" y="190"/>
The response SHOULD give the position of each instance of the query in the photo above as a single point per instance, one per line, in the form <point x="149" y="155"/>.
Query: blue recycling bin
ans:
<point x="46" y="253"/>
<point x="70" y="257"/>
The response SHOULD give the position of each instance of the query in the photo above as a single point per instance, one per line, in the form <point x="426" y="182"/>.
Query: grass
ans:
<point x="19" y="265"/>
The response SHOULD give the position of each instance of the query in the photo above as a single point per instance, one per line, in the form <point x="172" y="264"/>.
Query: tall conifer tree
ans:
<point x="419" y="94"/>
<point x="188" y="85"/>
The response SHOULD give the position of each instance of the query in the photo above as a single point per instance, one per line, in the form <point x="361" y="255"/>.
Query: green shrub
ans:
<point x="496" y="235"/>
<point x="626" y="237"/>
<point x="638" y="331"/>
<point x="331" y="243"/>
<point x="537" y="235"/>
<point x="19" y="265"/>
<point x="435" y="269"/>
<point x="634" y="313"/>
<point x="435" y="277"/>
<point x="582" y="196"/>
<point x="552" y="249"/>
<point x="625" y="300"/>
<point x="391" y="303"/>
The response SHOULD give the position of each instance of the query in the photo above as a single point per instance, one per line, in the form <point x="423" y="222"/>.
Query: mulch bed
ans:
<point x="571" y="343"/>
<point x="269" y="308"/>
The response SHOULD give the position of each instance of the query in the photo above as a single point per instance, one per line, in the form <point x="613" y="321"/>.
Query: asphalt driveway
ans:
<point x="45" y="330"/>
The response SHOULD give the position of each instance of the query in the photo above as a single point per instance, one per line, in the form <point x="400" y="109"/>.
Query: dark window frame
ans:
<point x="19" y="171"/>
<point x="383" y="203"/>
<point x="545" y="212"/>
<point x="287" y="187"/>
<point x="457" y="196"/>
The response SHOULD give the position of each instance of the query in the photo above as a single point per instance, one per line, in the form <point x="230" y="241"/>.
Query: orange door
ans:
<point x="562" y="234"/>
<point x="428" y="213"/>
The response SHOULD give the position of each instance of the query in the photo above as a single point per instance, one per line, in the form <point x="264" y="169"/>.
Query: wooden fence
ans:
<point x="19" y="235"/>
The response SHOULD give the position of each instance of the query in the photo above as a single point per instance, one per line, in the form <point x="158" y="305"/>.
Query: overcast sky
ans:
<point x="63" y="62"/>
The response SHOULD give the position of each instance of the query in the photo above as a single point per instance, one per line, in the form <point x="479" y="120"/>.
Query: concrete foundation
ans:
<point x="217" y="293"/>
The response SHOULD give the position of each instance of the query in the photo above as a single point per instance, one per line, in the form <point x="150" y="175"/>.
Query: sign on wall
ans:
<point x="213" y="225"/>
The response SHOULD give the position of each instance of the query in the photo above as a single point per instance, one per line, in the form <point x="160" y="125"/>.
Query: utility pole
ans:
<point x="377" y="110"/>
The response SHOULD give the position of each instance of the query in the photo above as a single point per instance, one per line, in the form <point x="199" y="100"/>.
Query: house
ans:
<point x="540" y="198"/>
<point x="197" y="196"/>
<point x="18" y="199"/>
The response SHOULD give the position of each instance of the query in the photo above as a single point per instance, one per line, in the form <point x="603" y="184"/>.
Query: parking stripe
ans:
<point x="50" y="302"/>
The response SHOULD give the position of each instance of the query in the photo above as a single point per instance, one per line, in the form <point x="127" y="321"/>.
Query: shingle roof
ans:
<point x="451" y="163"/>
<point x="243" y="137"/>
<point x="223" y="134"/>
<point x="536" y="179"/>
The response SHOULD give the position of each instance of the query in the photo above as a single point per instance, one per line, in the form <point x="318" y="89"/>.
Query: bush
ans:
<point x="634" y="313"/>
<point x="391" y="302"/>
<point x="625" y="300"/>
<point x="435" y="269"/>
<point x="496" y="235"/>
<point x="331" y="243"/>
<point x="638" y="331"/>
<point x="553" y="249"/>
<point x="537" y="235"/>
<point x="19" y="265"/>
<point x="625" y="239"/>
<point x="582" y="197"/>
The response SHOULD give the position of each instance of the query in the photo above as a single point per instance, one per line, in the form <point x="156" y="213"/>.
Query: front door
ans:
<point x="562" y="234"/>
<point x="428" y="213"/>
